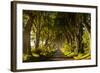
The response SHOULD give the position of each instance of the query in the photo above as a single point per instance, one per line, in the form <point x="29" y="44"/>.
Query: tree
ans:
<point x="71" y="25"/>
<point x="52" y="30"/>
<point x="27" y="24"/>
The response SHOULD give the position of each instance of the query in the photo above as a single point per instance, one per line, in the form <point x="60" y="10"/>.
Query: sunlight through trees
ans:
<point x="49" y="36"/>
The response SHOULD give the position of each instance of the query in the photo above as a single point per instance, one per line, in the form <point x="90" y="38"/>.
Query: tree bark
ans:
<point x="26" y="43"/>
<point x="26" y="36"/>
<point x="37" y="40"/>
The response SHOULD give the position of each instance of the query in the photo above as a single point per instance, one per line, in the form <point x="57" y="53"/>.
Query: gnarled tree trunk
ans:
<point x="26" y="36"/>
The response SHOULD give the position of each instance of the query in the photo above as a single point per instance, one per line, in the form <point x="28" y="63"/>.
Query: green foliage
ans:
<point x="82" y="56"/>
<point x="44" y="51"/>
<point x="67" y="49"/>
<point x="86" y="41"/>
<point x="47" y="51"/>
<point x="51" y="30"/>
<point x="26" y="57"/>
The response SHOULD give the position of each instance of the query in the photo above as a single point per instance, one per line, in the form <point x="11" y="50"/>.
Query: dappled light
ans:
<point x="56" y="36"/>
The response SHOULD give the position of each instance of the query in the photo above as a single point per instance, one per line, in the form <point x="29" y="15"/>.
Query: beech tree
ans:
<point x="54" y="30"/>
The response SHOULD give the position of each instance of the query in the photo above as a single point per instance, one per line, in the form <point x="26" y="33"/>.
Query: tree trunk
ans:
<point x="81" y="46"/>
<point x="26" y="36"/>
<point x="37" y="40"/>
<point x="26" y="43"/>
<point x="78" y="39"/>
